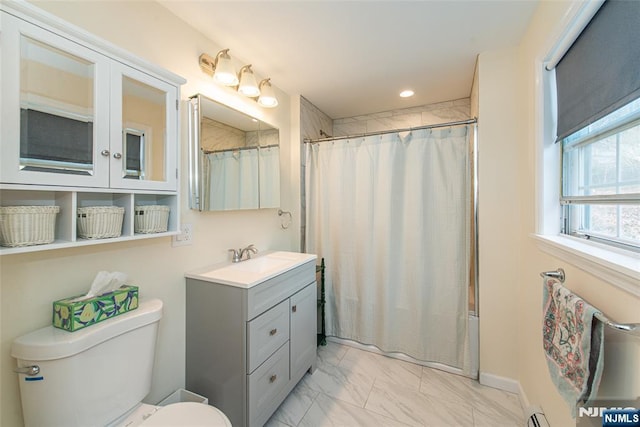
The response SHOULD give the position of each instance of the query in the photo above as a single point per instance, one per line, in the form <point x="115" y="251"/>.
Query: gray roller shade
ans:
<point x="601" y="71"/>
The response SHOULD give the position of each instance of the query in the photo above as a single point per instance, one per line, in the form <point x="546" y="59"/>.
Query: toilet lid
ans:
<point x="187" y="414"/>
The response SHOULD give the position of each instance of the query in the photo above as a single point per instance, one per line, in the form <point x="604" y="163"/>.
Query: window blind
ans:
<point x="601" y="70"/>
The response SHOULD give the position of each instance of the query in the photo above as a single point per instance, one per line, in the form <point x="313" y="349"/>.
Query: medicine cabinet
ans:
<point x="82" y="122"/>
<point x="235" y="159"/>
<point x="73" y="116"/>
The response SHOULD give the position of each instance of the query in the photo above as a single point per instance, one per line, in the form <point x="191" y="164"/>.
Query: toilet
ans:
<point x="98" y="376"/>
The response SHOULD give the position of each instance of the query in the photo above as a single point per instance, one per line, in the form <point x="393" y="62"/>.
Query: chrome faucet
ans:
<point x="238" y="254"/>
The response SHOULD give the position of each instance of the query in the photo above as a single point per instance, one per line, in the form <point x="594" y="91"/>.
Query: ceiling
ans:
<point x="354" y="57"/>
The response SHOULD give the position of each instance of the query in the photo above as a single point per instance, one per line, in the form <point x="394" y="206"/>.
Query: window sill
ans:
<point x="619" y="267"/>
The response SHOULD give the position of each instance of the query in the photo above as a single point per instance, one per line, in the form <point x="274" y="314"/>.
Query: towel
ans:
<point x="573" y="344"/>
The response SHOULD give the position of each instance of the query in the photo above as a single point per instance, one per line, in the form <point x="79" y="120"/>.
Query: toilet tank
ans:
<point x="92" y="376"/>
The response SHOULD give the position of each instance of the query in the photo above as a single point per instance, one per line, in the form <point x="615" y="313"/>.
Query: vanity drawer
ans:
<point x="266" y="333"/>
<point x="265" y="295"/>
<point x="266" y="384"/>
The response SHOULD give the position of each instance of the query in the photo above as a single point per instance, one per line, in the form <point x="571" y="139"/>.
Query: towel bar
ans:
<point x="634" y="328"/>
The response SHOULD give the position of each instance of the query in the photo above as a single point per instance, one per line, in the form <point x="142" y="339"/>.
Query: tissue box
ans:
<point x="73" y="315"/>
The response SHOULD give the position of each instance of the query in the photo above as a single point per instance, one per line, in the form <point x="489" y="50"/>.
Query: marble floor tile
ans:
<point x="415" y="409"/>
<point x="331" y="354"/>
<point x="382" y="368"/>
<point x="446" y="386"/>
<point x="352" y="387"/>
<point x="488" y="403"/>
<point x="296" y="405"/>
<point x="326" y="411"/>
<point x="275" y="423"/>
<point x="483" y="420"/>
<point x="494" y="404"/>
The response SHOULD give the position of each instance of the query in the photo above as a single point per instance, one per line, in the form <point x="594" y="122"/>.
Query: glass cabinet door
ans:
<point x="54" y="113"/>
<point x="143" y="131"/>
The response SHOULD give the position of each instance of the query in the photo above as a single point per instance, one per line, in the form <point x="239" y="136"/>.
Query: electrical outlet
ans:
<point x="185" y="237"/>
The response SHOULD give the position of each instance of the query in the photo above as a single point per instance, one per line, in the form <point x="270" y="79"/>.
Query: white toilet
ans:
<point x="98" y="376"/>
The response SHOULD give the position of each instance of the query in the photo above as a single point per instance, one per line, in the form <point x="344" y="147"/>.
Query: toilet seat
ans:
<point x="187" y="414"/>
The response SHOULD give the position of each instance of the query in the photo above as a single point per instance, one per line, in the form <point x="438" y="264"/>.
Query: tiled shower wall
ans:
<point x="442" y="112"/>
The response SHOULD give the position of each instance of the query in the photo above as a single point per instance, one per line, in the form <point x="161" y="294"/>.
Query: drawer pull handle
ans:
<point x="273" y="378"/>
<point x="273" y="332"/>
<point x="294" y="308"/>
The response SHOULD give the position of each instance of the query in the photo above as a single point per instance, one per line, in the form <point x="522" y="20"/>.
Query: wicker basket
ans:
<point x="27" y="225"/>
<point x="100" y="222"/>
<point x="151" y="219"/>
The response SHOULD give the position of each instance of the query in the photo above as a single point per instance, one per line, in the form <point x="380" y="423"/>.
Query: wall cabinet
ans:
<point x="248" y="348"/>
<point x="82" y="121"/>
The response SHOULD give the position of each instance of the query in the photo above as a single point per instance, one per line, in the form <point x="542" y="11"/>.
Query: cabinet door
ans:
<point x="143" y="131"/>
<point x="55" y="108"/>
<point x="303" y="329"/>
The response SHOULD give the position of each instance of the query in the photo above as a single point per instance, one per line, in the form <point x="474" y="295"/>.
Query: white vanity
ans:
<point x="251" y="332"/>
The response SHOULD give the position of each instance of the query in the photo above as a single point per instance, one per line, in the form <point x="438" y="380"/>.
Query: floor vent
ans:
<point x="535" y="417"/>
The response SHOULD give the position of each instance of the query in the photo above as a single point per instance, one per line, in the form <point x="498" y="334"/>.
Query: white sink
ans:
<point x="254" y="271"/>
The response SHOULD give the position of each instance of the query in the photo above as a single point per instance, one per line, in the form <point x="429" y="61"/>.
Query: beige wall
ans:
<point x="30" y="282"/>
<point x="498" y="200"/>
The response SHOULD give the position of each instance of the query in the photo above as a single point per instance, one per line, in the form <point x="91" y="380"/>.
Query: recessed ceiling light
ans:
<point x="406" y="93"/>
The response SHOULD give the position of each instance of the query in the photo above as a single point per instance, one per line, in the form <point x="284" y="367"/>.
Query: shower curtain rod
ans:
<point x="238" y="149"/>
<point x="362" y="135"/>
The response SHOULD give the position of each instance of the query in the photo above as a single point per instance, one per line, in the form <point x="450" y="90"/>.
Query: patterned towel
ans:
<point x="573" y="344"/>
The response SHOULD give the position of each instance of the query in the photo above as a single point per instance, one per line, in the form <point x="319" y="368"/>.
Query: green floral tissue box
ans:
<point x="72" y="314"/>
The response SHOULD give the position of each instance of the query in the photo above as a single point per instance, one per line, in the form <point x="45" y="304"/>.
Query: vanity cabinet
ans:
<point x="247" y="348"/>
<point x="83" y="123"/>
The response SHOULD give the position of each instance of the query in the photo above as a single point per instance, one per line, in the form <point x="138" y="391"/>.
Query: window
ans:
<point x="598" y="117"/>
<point x="588" y="142"/>
<point x="601" y="179"/>
<point x="53" y="143"/>
<point x="134" y="153"/>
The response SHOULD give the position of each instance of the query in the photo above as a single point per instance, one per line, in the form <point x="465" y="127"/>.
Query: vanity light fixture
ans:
<point x="267" y="95"/>
<point x="248" y="85"/>
<point x="220" y="68"/>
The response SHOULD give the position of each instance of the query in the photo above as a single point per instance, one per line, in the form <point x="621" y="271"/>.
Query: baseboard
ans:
<point x="501" y="383"/>
<point x="506" y="384"/>
<point x="524" y="400"/>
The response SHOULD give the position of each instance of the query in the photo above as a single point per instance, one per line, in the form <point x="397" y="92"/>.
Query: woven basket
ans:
<point x="27" y="225"/>
<point x="100" y="222"/>
<point x="151" y="219"/>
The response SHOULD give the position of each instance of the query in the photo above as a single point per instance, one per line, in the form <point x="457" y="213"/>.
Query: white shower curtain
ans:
<point x="233" y="179"/>
<point x="391" y="216"/>
<point x="269" y="160"/>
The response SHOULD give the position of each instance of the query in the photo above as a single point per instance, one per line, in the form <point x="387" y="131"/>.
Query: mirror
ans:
<point x="234" y="159"/>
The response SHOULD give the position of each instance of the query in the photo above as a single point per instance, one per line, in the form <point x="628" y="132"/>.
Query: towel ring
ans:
<point x="284" y="224"/>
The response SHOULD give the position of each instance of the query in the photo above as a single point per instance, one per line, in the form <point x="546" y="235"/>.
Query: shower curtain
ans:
<point x="232" y="179"/>
<point x="242" y="179"/>
<point x="269" y="165"/>
<point x="391" y="216"/>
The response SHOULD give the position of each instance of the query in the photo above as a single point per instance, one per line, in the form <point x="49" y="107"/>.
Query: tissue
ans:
<point x="109" y="296"/>
<point x="106" y="282"/>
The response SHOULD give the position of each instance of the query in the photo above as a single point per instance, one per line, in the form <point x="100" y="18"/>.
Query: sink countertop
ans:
<point x="248" y="273"/>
